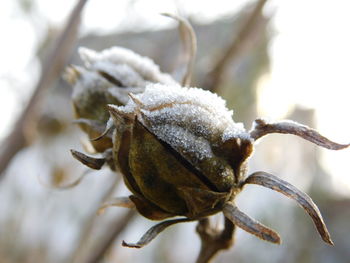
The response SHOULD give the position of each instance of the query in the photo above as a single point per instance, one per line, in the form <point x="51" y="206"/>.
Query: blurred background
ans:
<point x="291" y="62"/>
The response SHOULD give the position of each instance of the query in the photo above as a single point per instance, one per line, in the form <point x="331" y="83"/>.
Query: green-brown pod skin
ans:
<point x="171" y="178"/>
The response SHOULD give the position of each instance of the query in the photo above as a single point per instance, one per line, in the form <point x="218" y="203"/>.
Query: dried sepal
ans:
<point x="248" y="224"/>
<point x="154" y="231"/>
<point x="135" y="99"/>
<point x="262" y="127"/>
<point x="116" y="201"/>
<point x="202" y="202"/>
<point x="122" y="93"/>
<point x="189" y="41"/>
<point x="91" y="162"/>
<point x="99" y="135"/>
<point x="279" y="185"/>
<point x="97" y="126"/>
<point x="109" y="127"/>
<point x="148" y="209"/>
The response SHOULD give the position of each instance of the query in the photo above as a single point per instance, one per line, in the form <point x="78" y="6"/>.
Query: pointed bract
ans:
<point x="262" y="127"/>
<point x="154" y="231"/>
<point x="109" y="127"/>
<point x="276" y="184"/>
<point x="91" y="162"/>
<point x="189" y="41"/>
<point x="250" y="225"/>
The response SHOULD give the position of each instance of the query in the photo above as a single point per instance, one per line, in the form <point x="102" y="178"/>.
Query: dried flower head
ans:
<point x="178" y="148"/>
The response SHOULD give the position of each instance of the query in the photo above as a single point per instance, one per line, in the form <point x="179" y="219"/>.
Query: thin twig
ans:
<point x="105" y="244"/>
<point x="214" y="77"/>
<point x="212" y="240"/>
<point x="52" y="68"/>
<point x="90" y="224"/>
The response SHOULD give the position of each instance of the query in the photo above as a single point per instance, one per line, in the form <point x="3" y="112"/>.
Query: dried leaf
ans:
<point x="262" y="128"/>
<point x="91" y="162"/>
<point x="250" y="225"/>
<point x="154" y="231"/>
<point x="189" y="42"/>
<point x="276" y="184"/>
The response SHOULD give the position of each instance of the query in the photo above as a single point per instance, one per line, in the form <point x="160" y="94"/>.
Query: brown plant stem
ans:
<point x="91" y="222"/>
<point x="52" y="67"/>
<point x="213" y="240"/>
<point x="106" y="243"/>
<point x="214" y="77"/>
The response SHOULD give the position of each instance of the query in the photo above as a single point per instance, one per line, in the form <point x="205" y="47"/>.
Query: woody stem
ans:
<point x="213" y="240"/>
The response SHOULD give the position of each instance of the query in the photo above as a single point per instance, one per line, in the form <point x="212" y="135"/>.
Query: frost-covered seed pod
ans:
<point x="179" y="149"/>
<point x="108" y="77"/>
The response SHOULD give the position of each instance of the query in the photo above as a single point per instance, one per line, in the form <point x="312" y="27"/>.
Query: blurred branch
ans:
<point x="212" y="240"/>
<point x="88" y="228"/>
<point x="52" y="68"/>
<point x="110" y="236"/>
<point x="231" y="54"/>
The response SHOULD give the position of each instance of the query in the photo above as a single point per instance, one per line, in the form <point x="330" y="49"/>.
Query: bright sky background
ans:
<point x="310" y="56"/>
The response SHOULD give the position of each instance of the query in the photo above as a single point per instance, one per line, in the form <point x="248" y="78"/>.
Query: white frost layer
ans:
<point x="121" y="72"/>
<point x="86" y="81"/>
<point x="200" y="112"/>
<point x="119" y="55"/>
<point x="184" y="141"/>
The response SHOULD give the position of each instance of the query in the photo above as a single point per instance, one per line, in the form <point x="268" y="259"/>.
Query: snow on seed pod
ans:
<point x="182" y="154"/>
<point x="107" y="78"/>
<point x="179" y="149"/>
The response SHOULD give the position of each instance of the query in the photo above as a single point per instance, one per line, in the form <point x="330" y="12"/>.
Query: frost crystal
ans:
<point x="143" y="66"/>
<point x="189" y="119"/>
<point x="184" y="141"/>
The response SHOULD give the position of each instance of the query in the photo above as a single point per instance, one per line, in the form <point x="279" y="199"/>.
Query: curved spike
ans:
<point x="189" y="42"/>
<point x="250" y="225"/>
<point x="135" y="100"/>
<point x="154" y="231"/>
<point x="109" y="127"/>
<point x="95" y="125"/>
<point x="262" y="127"/>
<point x="114" y="110"/>
<point x="91" y="162"/>
<point x="276" y="184"/>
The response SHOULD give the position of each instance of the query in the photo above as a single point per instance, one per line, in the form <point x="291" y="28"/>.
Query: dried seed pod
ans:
<point x="108" y="78"/>
<point x="181" y="154"/>
<point x="181" y="151"/>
